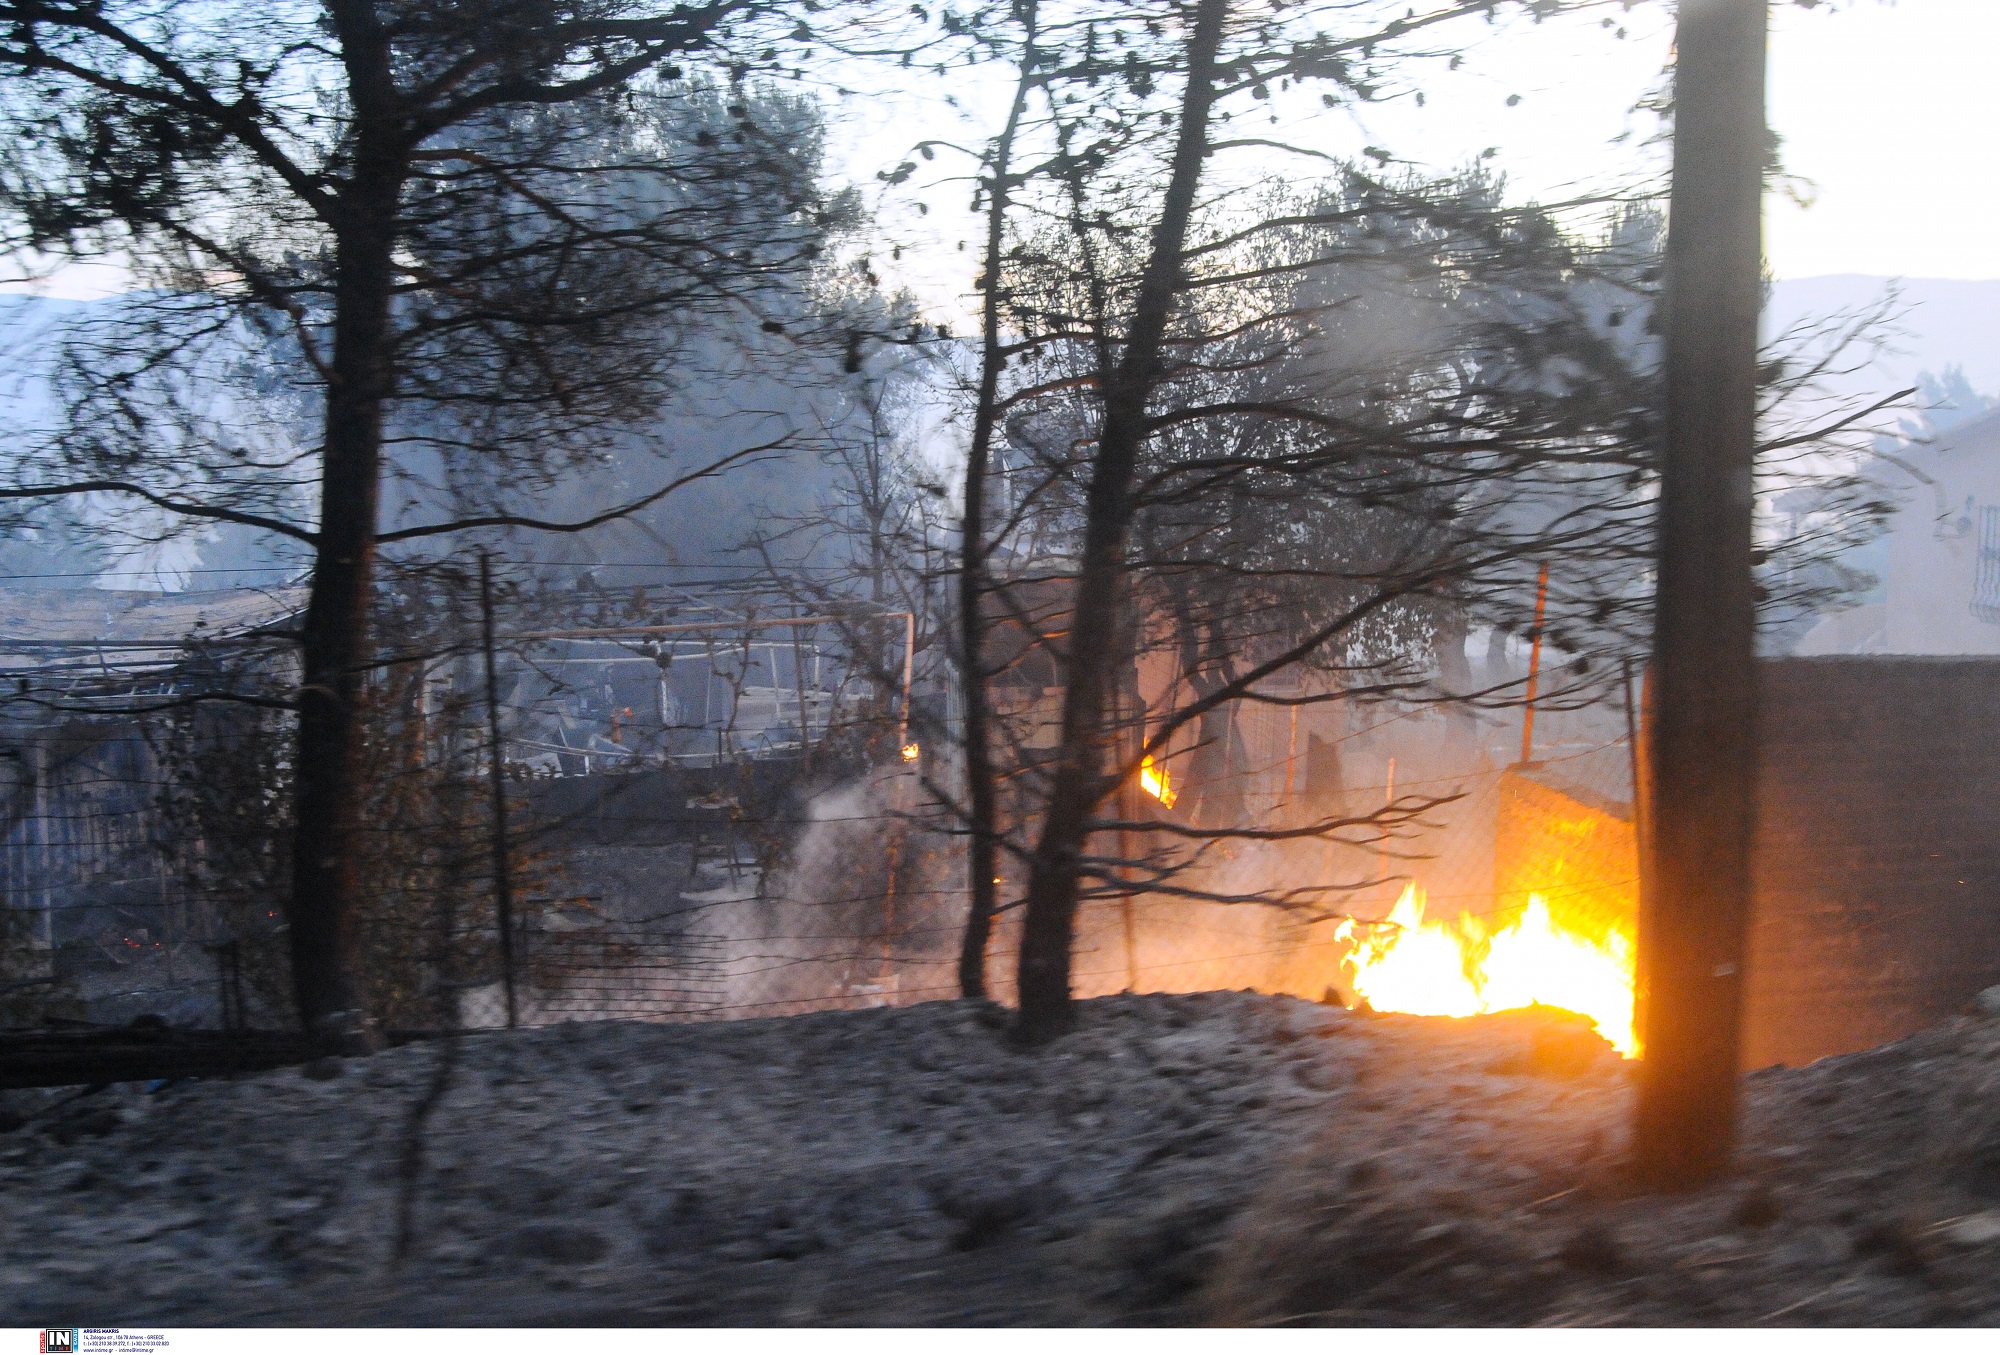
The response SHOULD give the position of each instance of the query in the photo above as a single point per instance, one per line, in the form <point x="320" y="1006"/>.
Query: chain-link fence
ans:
<point x="714" y="809"/>
<point x="694" y="806"/>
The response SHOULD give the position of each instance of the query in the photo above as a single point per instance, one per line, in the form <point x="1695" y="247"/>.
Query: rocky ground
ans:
<point x="1219" y="1157"/>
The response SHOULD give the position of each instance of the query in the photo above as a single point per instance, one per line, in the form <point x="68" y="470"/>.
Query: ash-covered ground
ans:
<point x="1219" y="1157"/>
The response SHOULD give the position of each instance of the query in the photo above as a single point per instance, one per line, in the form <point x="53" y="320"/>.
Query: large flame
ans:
<point x="1156" y="782"/>
<point x="1426" y="968"/>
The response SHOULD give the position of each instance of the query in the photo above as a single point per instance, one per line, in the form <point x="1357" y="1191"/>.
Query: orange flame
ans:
<point x="1156" y="783"/>
<point x="911" y="752"/>
<point x="1458" y="968"/>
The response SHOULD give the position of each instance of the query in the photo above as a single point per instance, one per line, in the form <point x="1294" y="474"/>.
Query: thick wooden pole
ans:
<point x="1704" y="742"/>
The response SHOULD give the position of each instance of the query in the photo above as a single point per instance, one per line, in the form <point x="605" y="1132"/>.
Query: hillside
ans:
<point x="1947" y="321"/>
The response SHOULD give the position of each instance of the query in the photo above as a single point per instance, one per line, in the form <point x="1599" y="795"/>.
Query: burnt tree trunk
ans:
<point x="983" y="855"/>
<point x="1099" y="624"/>
<point x="1703" y="750"/>
<point x="334" y="644"/>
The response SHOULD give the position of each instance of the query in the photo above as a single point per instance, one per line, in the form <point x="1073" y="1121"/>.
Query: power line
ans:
<point x="302" y="570"/>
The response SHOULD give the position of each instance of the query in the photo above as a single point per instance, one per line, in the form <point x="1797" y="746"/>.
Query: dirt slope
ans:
<point x="1216" y="1157"/>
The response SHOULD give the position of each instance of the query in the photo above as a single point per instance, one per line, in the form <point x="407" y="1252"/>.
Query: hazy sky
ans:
<point x="1888" y="107"/>
<point x="1893" y="110"/>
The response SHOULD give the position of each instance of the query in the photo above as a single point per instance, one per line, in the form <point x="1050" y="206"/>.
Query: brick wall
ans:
<point x="1878" y="851"/>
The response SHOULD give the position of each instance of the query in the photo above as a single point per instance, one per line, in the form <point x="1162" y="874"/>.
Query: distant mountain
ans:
<point x="29" y="325"/>
<point x="1945" y="321"/>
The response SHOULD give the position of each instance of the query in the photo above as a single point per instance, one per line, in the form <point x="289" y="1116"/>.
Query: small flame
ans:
<point x="911" y="752"/>
<point x="1460" y="969"/>
<point x="1156" y="783"/>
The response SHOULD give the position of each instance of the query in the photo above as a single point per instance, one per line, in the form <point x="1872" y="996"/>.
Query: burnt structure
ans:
<point x="652" y="745"/>
<point x="88" y="900"/>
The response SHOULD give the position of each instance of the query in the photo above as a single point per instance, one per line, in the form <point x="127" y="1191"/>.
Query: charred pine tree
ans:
<point x="981" y="802"/>
<point x="1287" y="443"/>
<point x="1127" y="275"/>
<point x="414" y="211"/>
<point x="1100" y="614"/>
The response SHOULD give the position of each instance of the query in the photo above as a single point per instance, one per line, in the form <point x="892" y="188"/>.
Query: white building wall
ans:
<point x="1935" y="592"/>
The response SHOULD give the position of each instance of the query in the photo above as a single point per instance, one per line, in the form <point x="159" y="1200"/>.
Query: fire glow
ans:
<point x="1433" y="968"/>
<point x="1154" y="781"/>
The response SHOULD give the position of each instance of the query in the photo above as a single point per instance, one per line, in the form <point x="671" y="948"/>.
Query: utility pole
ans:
<point x="1694" y="924"/>
<point x="503" y="876"/>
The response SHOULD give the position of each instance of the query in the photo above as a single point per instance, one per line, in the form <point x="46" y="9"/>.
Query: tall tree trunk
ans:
<point x="1704" y="748"/>
<point x="983" y="854"/>
<point x="334" y="646"/>
<point x="1098" y="620"/>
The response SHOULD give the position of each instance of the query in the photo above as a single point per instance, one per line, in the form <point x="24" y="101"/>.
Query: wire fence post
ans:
<point x="503" y="880"/>
<point x="798" y="684"/>
<point x="904" y="763"/>
<point x="229" y="985"/>
<point x="45" y="920"/>
<point x="1534" y="667"/>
